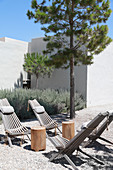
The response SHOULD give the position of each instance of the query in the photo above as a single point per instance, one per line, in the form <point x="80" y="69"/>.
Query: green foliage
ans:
<point x="54" y="101"/>
<point x="80" y="21"/>
<point x="35" y="64"/>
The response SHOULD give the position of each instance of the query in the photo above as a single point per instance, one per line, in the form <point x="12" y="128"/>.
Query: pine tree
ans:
<point x="74" y="32"/>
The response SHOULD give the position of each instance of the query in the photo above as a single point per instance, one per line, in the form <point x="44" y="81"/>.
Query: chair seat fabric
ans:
<point x="39" y="109"/>
<point x="6" y="109"/>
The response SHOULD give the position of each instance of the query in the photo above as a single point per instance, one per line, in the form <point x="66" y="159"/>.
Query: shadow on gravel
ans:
<point x="18" y="141"/>
<point x="76" y="159"/>
<point x="61" y="161"/>
<point x="83" y="161"/>
<point x="28" y="147"/>
<point x="100" y="147"/>
<point x="2" y="139"/>
<point x="60" y="117"/>
<point x="15" y="141"/>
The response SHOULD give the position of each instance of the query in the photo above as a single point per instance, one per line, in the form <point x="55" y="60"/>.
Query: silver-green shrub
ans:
<point x="54" y="101"/>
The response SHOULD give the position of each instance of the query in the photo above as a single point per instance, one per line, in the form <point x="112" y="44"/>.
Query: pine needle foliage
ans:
<point x="78" y="32"/>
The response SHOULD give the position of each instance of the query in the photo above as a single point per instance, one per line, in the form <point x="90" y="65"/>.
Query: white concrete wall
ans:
<point x="81" y="80"/>
<point x="60" y="77"/>
<point x="11" y="62"/>
<point x="37" y="45"/>
<point x="100" y="79"/>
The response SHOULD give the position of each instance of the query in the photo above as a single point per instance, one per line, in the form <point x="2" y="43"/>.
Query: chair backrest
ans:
<point x="11" y="120"/>
<point x="75" y="142"/>
<point x="43" y="117"/>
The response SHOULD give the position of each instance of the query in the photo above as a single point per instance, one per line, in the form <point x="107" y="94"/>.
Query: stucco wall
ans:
<point x="11" y="61"/>
<point x="81" y="80"/>
<point x="37" y="45"/>
<point x="60" y="77"/>
<point x="94" y="82"/>
<point x="100" y="79"/>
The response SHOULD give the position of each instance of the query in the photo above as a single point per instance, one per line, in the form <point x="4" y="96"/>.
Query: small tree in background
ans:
<point x="35" y="64"/>
<point x="73" y="24"/>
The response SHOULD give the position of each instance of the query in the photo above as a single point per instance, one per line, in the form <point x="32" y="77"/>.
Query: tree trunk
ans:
<point x="72" y="91"/>
<point x="36" y="81"/>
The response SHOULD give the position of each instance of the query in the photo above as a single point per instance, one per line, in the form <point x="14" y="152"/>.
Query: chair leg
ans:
<point x="28" y="137"/>
<point x="97" y="160"/>
<point x="59" y="130"/>
<point x="70" y="162"/>
<point x="9" y="140"/>
<point x="55" y="131"/>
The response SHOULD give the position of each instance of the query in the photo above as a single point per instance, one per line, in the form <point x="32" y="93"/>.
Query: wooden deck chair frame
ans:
<point x="44" y="119"/>
<point x="66" y="148"/>
<point x="97" y="134"/>
<point x="12" y="124"/>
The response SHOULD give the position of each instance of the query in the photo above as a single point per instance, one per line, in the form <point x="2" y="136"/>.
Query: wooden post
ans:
<point x="38" y="138"/>
<point x="68" y="129"/>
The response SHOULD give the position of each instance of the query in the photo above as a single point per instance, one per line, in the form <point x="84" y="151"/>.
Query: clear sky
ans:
<point x="14" y="22"/>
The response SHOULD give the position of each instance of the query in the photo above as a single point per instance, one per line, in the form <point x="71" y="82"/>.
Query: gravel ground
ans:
<point x="23" y="158"/>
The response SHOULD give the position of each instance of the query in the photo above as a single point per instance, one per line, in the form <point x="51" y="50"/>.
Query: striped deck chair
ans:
<point x="97" y="133"/>
<point x="12" y="124"/>
<point x="44" y="119"/>
<point x="66" y="148"/>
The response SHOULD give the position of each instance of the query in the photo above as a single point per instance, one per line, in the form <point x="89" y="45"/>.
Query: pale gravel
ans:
<point x="23" y="158"/>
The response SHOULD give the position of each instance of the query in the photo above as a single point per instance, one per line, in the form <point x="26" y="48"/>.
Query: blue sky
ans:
<point x="15" y="24"/>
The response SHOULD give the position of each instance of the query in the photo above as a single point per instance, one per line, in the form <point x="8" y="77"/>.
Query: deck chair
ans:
<point x="66" y="148"/>
<point x="12" y="124"/>
<point x="97" y="133"/>
<point x="44" y="119"/>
